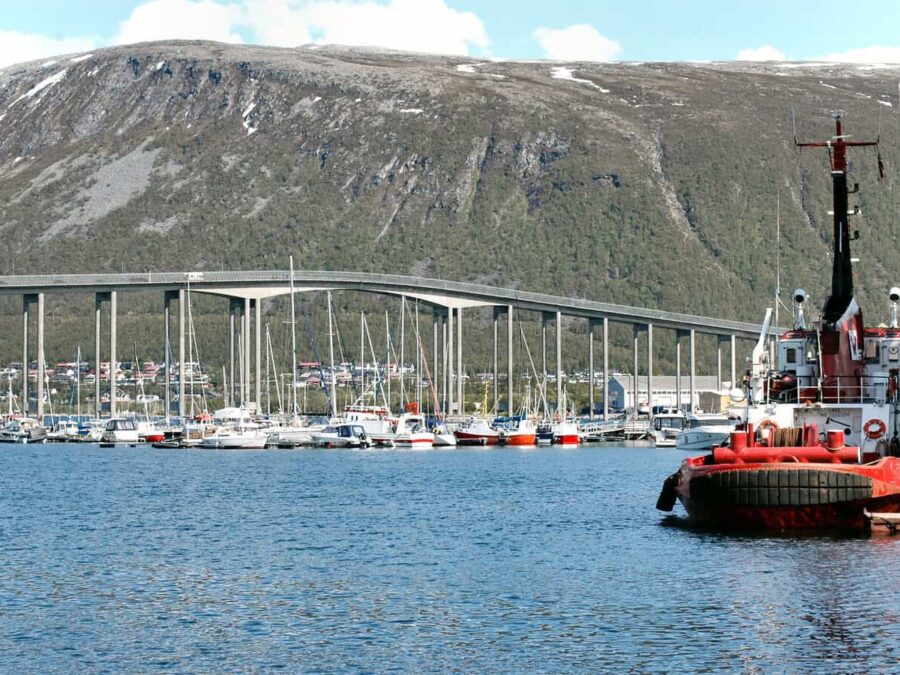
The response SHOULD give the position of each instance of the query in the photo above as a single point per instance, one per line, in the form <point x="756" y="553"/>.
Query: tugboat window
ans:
<point x="790" y="355"/>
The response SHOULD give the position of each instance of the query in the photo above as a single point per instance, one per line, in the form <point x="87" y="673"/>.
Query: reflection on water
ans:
<point x="467" y="559"/>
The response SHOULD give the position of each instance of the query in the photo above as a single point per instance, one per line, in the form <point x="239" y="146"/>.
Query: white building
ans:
<point x="707" y="392"/>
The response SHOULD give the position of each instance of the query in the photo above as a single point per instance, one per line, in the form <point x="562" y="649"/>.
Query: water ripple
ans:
<point x="464" y="560"/>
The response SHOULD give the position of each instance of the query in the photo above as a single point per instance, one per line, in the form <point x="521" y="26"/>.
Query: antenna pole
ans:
<point x="777" y="256"/>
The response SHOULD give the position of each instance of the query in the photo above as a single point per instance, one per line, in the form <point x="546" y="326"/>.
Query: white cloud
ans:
<point x="181" y="20"/>
<point x="278" y="23"/>
<point x="20" y="47"/>
<point x="579" y="42"/>
<point x="412" y="25"/>
<point x="873" y="54"/>
<point x="763" y="53"/>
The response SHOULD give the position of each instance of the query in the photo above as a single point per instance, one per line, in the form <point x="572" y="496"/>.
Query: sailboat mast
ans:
<point x="387" y="365"/>
<point x="190" y="347"/>
<point x="418" y="361"/>
<point x="78" y="381"/>
<point x="777" y="256"/>
<point x="402" y="352"/>
<point x="293" y="347"/>
<point x="268" y="374"/>
<point x="332" y="391"/>
<point x="362" y="351"/>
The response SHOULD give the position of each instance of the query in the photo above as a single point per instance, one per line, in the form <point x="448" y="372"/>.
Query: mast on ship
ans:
<point x="842" y="326"/>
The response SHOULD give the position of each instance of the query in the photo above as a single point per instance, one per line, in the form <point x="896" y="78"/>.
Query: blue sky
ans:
<point x="628" y="30"/>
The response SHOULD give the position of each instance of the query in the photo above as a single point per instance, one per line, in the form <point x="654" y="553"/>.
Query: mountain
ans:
<point x="652" y="184"/>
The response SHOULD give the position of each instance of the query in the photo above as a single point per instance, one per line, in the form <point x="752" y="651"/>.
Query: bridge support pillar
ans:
<point x="245" y="332"/>
<point x="546" y="318"/>
<point x="605" y="368"/>
<point x="509" y="357"/>
<point x="720" y="340"/>
<point x="113" y="357"/>
<point x="635" y="345"/>
<point x="496" y="317"/>
<point x="451" y="352"/>
<point x="733" y="361"/>
<point x="445" y="365"/>
<point x="99" y="299"/>
<point x="435" y="362"/>
<point x="460" y="381"/>
<point x="693" y="369"/>
<point x="27" y="301"/>
<point x="678" y="398"/>
<point x="257" y="377"/>
<point x="560" y="405"/>
<point x="591" y="324"/>
<point x="168" y="297"/>
<point x="650" y="367"/>
<point x="229" y="390"/>
<point x="98" y="306"/>
<point x="182" y="365"/>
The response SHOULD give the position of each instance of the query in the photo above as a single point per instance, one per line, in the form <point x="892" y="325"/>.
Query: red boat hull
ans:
<point x="788" y="495"/>
<point x="566" y="439"/>
<point x="521" y="439"/>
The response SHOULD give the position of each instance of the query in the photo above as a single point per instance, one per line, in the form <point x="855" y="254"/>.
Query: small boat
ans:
<point x="566" y="433"/>
<point x="544" y="434"/>
<point x="248" y="437"/>
<point x="476" y="431"/>
<point x="408" y="431"/>
<point x="23" y="430"/>
<point x="119" y="431"/>
<point x="443" y="437"/>
<point x="299" y="432"/>
<point x="521" y="431"/>
<point x="704" y="432"/>
<point x="342" y="436"/>
<point x="665" y="427"/>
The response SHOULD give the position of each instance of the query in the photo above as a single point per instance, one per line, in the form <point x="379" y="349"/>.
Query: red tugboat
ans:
<point x="838" y="378"/>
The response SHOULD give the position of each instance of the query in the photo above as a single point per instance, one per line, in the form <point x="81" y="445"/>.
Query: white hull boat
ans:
<point x="119" y="432"/>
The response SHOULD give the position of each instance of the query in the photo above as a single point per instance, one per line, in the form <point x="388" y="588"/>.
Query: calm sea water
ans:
<point x="541" y="560"/>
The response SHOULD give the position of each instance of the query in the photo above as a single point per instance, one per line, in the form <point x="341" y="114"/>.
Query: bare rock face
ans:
<point x="650" y="184"/>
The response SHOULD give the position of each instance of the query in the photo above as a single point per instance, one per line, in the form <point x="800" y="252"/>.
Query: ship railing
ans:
<point x="835" y="389"/>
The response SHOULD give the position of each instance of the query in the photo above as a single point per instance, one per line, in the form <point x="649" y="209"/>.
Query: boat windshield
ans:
<point x="712" y="422"/>
<point x="668" y="423"/>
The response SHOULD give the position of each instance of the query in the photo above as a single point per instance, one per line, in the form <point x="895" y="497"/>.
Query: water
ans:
<point x="468" y="560"/>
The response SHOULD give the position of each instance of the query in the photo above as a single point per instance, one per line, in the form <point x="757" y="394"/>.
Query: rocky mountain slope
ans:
<point x="650" y="184"/>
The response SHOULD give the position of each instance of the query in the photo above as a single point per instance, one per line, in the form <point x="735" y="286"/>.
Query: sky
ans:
<point x="566" y="30"/>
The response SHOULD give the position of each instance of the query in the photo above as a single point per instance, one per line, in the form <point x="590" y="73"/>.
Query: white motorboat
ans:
<point x="665" y="426"/>
<point x="342" y="436"/>
<point x="249" y="437"/>
<point x="293" y="435"/>
<point x="119" y="431"/>
<point x="704" y="432"/>
<point x="443" y="437"/>
<point x="409" y="431"/>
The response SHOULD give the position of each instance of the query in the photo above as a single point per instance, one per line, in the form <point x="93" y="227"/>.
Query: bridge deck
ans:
<point x="273" y="282"/>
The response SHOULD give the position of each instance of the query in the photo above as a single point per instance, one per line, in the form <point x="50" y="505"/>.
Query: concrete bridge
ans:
<point x="447" y="298"/>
